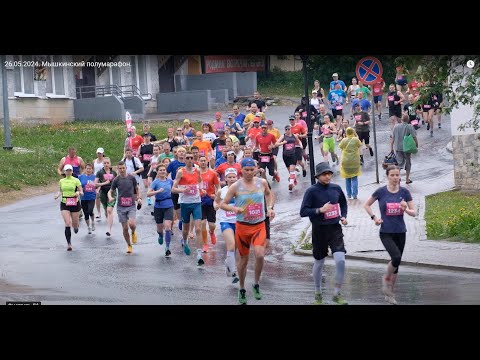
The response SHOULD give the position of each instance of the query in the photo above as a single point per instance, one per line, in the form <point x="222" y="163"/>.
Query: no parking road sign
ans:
<point x="369" y="70"/>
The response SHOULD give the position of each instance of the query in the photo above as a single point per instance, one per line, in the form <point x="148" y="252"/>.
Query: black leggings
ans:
<point x="394" y="244"/>
<point x="87" y="207"/>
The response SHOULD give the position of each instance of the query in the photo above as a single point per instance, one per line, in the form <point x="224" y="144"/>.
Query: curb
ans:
<point x="301" y="252"/>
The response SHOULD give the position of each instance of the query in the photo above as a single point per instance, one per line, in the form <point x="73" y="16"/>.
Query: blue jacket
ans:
<point x="318" y="195"/>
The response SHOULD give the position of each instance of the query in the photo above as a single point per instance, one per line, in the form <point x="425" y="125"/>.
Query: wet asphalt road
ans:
<point x="98" y="271"/>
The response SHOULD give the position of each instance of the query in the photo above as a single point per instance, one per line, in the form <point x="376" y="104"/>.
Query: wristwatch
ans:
<point x="372" y="217"/>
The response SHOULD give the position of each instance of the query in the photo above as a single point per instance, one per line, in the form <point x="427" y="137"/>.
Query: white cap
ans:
<point x="67" y="167"/>
<point x="100" y="150"/>
<point x="230" y="171"/>
<point x="335" y="74"/>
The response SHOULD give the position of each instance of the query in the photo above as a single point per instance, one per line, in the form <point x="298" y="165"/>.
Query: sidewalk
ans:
<point x="363" y="242"/>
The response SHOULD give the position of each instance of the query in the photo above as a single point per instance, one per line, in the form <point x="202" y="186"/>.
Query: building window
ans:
<point x="56" y="76"/>
<point x="23" y="75"/>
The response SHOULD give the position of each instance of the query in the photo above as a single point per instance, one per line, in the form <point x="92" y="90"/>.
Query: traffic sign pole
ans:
<point x="369" y="69"/>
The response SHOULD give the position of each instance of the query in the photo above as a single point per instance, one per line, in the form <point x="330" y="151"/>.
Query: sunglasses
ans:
<point x="189" y="157"/>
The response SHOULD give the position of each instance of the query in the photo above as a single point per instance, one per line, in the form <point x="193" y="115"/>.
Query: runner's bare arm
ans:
<point x="232" y="190"/>
<point x="60" y="166"/>
<point x="175" y="188"/>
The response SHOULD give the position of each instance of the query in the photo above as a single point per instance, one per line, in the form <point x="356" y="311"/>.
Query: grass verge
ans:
<point x="38" y="149"/>
<point x="453" y="215"/>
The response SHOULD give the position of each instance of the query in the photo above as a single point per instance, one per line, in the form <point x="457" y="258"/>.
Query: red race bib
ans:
<point x="390" y="98"/>
<point x="289" y="146"/>
<point x="89" y="188"/>
<point x="358" y="117"/>
<point x="71" y="201"/>
<point x="191" y="190"/>
<point x="333" y="213"/>
<point x="254" y="211"/>
<point x="394" y="209"/>
<point x="126" y="201"/>
<point x="147" y="157"/>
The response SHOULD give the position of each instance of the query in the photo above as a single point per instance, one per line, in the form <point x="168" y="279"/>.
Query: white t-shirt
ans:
<point x="226" y="216"/>
<point x="209" y="136"/>
<point x="131" y="168"/>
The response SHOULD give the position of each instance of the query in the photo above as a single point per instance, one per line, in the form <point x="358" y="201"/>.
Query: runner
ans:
<point x="161" y="187"/>
<point x="145" y="155"/>
<point x="89" y="194"/>
<point x="208" y="188"/>
<point x="77" y="163"/>
<point x="128" y="193"/>
<point x="325" y="204"/>
<point x="395" y="100"/>
<point x="103" y="180"/>
<point x="133" y="142"/>
<point x="227" y="224"/>
<point x="71" y="190"/>
<point x="289" y="141"/>
<point x="187" y="185"/>
<point x="393" y="201"/>
<point x="266" y="143"/>
<point x="172" y="169"/>
<point x="250" y="193"/>
<point x="97" y="166"/>
<point x="230" y="163"/>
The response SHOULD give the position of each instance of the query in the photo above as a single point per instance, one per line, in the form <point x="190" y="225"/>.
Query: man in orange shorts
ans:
<point x="249" y="206"/>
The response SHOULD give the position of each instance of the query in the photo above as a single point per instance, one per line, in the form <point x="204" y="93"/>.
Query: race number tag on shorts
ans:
<point x="358" y="117"/>
<point x="71" y="201"/>
<point x="126" y="201"/>
<point x="108" y="177"/>
<point x="254" y="211"/>
<point x="427" y="106"/>
<point x="394" y="209"/>
<point x="390" y="98"/>
<point x="414" y="122"/>
<point x="190" y="190"/>
<point x="89" y="188"/>
<point x="289" y="146"/>
<point x="333" y="213"/>
<point x="147" y="157"/>
<point x="339" y="107"/>
<point x="265" y="159"/>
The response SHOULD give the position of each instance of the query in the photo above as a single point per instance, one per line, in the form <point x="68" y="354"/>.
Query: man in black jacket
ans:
<point x="325" y="204"/>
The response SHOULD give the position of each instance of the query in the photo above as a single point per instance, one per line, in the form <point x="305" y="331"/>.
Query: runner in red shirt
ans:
<point x="377" y="89"/>
<point x="266" y="142"/>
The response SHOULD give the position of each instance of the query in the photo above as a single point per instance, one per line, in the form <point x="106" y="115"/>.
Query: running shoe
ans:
<point x="277" y="178"/>
<point x="200" y="261"/>
<point x="387" y="287"/>
<point x="304" y="172"/>
<point x="93" y="226"/>
<point x="129" y="249"/>
<point x="167" y="252"/>
<point x="186" y="249"/>
<point x="227" y="269"/>
<point x="89" y="230"/>
<point x="69" y="248"/>
<point x="391" y="300"/>
<point x="290" y="187"/>
<point x="134" y="238"/>
<point x="235" y="278"/>
<point x="318" y="299"/>
<point x="160" y="239"/>
<point x="242" y="297"/>
<point x="371" y="151"/>
<point x="213" y="238"/>
<point x="205" y="248"/>
<point x="149" y="201"/>
<point x="256" y="292"/>
<point x="339" y="300"/>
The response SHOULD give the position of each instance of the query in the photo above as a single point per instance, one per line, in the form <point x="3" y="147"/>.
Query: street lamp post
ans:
<point x="6" y="117"/>
<point x="309" y="121"/>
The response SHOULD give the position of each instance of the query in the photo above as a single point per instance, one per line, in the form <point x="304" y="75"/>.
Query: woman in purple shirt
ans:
<point x="393" y="201"/>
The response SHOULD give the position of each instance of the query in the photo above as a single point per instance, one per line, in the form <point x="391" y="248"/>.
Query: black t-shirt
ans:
<point x="260" y="104"/>
<point x="152" y="137"/>
<point x="173" y="143"/>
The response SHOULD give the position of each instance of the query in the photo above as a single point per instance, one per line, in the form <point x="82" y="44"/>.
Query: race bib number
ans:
<point x="390" y="98"/>
<point x="394" y="209"/>
<point x="427" y="106"/>
<point x="325" y="130"/>
<point x="71" y="201"/>
<point x="414" y="122"/>
<point x="126" y="201"/>
<point x="289" y="146"/>
<point x="201" y="152"/>
<point x="338" y="107"/>
<point x="333" y="213"/>
<point x="108" y="177"/>
<point x="254" y="211"/>
<point x="230" y="214"/>
<point x="376" y="90"/>
<point x="358" y="117"/>
<point x="191" y="190"/>
<point x="220" y="147"/>
<point x="265" y="159"/>
<point x="147" y="157"/>
<point x="89" y="188"/>
<point x="304" y="114"/>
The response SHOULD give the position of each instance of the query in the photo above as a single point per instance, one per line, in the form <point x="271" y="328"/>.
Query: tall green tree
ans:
<point x="451" y="76"/>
